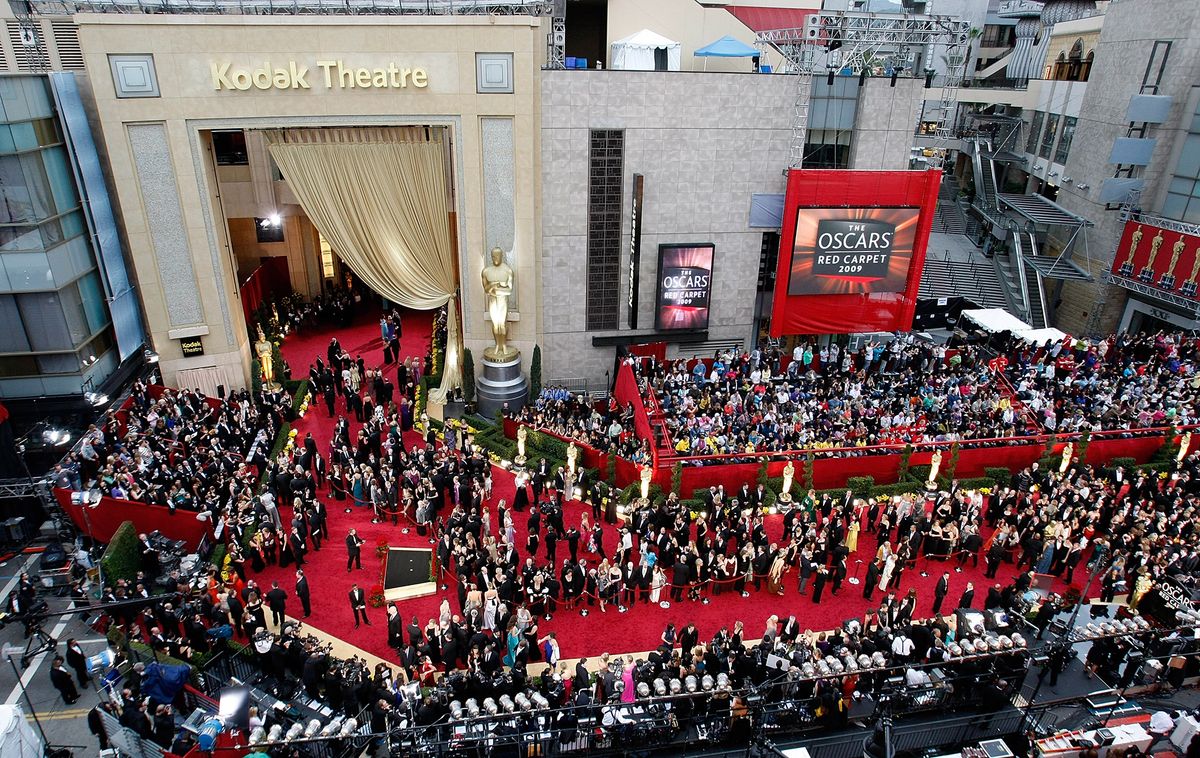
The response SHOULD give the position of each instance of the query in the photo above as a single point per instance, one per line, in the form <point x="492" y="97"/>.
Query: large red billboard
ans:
<point x="1159" y="257"/>
<point x="852" y="250"/>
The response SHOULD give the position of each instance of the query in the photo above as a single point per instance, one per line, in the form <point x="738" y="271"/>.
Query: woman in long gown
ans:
<point x="885" y="576"/>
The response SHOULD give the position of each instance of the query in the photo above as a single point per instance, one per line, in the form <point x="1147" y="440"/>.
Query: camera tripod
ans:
<point x="37" y="642"/>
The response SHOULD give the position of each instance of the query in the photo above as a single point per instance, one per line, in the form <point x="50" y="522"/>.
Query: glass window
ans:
<point x="1048" y="137"/>
<point x="1064" y="142"/>
<point x="92" y="296"/>
<point x="19" y="238"/>
<point x="18" y="365"/>
<point x="61" y="179"/>
<point x="59" y="363"/>
<point x="27" y="272"/>
<point x="1035" y="129"/>
<point x="12" y="336"/>
<point x="1189" y="159"/>
<point x="230" y="148"/>
<point x="45" y="324"/>
<point x="1183" y="193"/>
<point x="72" y="305"/>
<point x="15" y="202"/>
<point x="24" y="138"/>
<point x="47" y="132"/>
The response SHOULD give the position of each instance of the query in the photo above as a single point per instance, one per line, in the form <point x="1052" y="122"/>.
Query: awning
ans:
<point x="1058" y="268"/>
<point x="996" y="320"/>
<point x="760" y="19"/>
<point x="1040" y="210"/>
<point x="1041" y="336"/>
<point x="727" y="47"/>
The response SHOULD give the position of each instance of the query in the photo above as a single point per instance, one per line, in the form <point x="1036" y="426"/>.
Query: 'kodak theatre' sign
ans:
<point x="327" y="74"/>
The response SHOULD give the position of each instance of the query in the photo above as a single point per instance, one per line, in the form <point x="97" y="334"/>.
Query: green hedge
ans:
<point x="123" y="557"/>
<point x="218" y="555"/>
<point x="998" y="474"/>
<point x="862" y="486"/>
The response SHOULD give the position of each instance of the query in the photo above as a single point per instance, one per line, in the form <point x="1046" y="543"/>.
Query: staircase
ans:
<point x="954" y="269"/>
<point x="948" y="218"/>
<point x="1021" y="281"/>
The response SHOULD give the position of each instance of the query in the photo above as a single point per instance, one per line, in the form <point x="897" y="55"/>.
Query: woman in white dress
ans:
<point x="885" y="576"/>
<point x="657" y="582"/>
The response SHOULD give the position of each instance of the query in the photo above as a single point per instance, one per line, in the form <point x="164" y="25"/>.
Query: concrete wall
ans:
<point x="1130" y="31"/>
<point x="704" y="143"/>
<point x="884" y="124"/>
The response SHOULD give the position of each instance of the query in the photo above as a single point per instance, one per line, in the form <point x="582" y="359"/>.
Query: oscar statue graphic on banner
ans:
<point x="1146" y="275"/>
<point x="1126" y="268"/>
<point x="1167" y="280"/>
<point x="1189" y="285"/>
<point x="502" y="383"/>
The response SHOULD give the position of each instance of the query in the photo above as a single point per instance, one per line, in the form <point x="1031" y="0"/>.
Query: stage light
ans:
<point x="149" y="355"/>
<point x="275" y="220"/>
<point x="349" y="728"/>
<point x="95" y="398"/>
<point x="56" y="437"/>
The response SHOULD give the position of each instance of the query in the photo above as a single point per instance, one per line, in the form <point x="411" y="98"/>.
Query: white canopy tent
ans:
<point x="17" y="737"/>
<point x="1040" y="336"/>
<point x="637" y="52"/>
<point x="997" y="320"/>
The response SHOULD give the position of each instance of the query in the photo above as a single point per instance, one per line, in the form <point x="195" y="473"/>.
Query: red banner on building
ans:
<point x="1159" y="258"/>
<point x="852" y="250"/>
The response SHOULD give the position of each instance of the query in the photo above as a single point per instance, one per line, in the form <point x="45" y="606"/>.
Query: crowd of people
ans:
<point x="905" y="390"/>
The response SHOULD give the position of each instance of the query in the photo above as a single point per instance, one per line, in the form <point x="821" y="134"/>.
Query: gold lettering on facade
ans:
<point x="335" y="74"/>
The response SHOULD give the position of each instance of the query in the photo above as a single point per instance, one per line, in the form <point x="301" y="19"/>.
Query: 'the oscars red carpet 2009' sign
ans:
<point x="848" y="250"/>
<point x="684" y="286"/>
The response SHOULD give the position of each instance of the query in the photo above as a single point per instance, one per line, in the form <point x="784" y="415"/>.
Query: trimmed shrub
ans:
<point x="123" y="557"/>
<point x="535" y="373"/>
<point x="862" y="486"/>
<point x="468" y="374"/>
<point x="998" y="474"/>
<point x="1127" y="463"/>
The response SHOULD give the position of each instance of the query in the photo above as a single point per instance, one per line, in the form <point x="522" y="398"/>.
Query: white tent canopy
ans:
<point x="16" y="736"/>
<point x="1040" y="336"/>
<point x="637" y="51"/>
<point x="997" y="320"/>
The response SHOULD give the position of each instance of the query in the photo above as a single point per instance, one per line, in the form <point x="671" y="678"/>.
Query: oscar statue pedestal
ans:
<point x="502" y="382"/>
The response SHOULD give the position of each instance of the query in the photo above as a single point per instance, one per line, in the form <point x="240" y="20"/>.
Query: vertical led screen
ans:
<point x="851" y="250"/>
<point x="848" y="250"/>
<point x="684" y="286"/>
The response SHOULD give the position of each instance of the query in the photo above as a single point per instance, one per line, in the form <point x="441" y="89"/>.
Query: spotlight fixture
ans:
<point x="149" y="355"/>
<point x="95" y="398"/>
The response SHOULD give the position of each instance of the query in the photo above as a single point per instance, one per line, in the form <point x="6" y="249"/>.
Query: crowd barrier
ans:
<point x="101" y="520"/>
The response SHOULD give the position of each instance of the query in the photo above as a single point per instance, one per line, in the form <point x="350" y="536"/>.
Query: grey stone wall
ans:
<point x="1130" y="30"/>
<point x="704" y="142"/>
<point x="884" y="126"/>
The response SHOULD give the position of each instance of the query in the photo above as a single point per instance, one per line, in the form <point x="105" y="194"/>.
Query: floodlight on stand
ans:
<point x="275" y="220"/>
<point x="149" y="355"/>
<point x="349" y="728"/>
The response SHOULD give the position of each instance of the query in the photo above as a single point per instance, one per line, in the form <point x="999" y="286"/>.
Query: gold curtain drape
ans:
<point x="379" y="196"/>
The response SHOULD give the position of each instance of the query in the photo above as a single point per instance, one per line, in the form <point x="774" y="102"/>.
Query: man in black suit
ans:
<point x="303" y="593"/>
<point x="968" y="596"/>
<point x="416" y="635"/>
<point x="78" y="661"/>
<point x="63" y="682"/>
<point x="358" y="603"/>
<point x="277" y="602"/>
<point x="354" y="545"/>
<point x="940" y="590"/>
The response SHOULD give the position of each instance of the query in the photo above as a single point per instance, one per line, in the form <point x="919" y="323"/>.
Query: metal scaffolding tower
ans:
<point x="864" y="41"/>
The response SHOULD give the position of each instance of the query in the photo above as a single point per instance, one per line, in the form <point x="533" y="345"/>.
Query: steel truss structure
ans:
<point x="864" y="41"/>
<point x="300" y="7"/>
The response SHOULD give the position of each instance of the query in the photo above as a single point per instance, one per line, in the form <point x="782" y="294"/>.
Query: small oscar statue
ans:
<point x="1067" y="453"/>
<point x="1126" y="268"/>
<point x="789" y="473"/>
<point x="1167" y="280"/>
<point x="522" y="433"/>
<point x="646" y="475"/>
<point x="935" y="463"/>
<point x="1146" y="275"/>
<point x="1185" y="442"/>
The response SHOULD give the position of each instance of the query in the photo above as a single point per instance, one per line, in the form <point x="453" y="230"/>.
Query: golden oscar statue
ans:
<point x="498" y="287"/>
<point x="1068" y="452"/>
<point x="789" y="473"/>
<point x="1189" y="286"/>
<point x="522" y="433"/>
<point x="1185" y="442"/>
<point x="1167" y="280"/>
<point x="935" y="463"/>
<point x="264" y="349"/>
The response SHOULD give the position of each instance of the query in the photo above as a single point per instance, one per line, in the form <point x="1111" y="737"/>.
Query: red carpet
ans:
<point x="635" y="631"/>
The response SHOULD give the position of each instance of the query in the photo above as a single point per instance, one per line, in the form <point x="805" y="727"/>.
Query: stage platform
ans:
<point x="408" y="573"/>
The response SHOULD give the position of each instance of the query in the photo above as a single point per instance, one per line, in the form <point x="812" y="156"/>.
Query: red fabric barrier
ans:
<point x="629" y="472"/>
<point x="973" y="461"/>
<point x="834" y="472"/>
<point x="656" y="350"/>
<point x="101" y="522"/>
<point x="1141" y="449"/>
<point x="271" y="279"/>
<point x="626" y="391"/>
<point x="732" y="475"/>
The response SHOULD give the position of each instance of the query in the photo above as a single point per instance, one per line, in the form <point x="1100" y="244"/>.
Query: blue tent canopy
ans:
<point x="727" y="47"/>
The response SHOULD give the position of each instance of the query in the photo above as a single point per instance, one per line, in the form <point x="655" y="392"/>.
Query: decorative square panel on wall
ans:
<point x="134" y="75"/>
<point x="494" y="73"/>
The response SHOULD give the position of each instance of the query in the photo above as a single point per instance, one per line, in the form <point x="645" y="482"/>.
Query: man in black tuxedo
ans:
<point x="940" y="590"/>
<point x="358" y="603"/>
<point x="303" y="593"/>
<point x="63" y="682"/>
<point x="354" y="545"/>
<point x="277" y="602"/>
